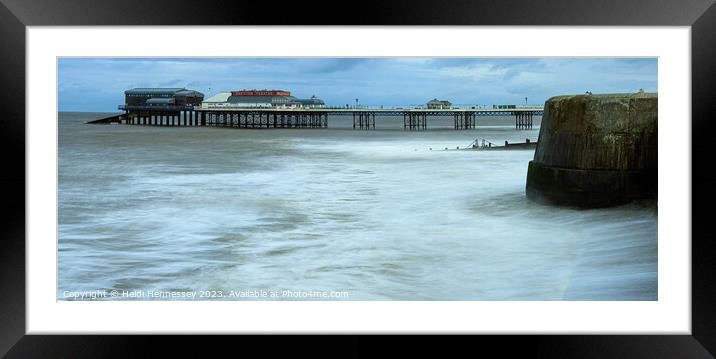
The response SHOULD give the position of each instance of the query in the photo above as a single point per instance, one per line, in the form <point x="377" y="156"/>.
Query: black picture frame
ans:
<point x="15" y="15"/>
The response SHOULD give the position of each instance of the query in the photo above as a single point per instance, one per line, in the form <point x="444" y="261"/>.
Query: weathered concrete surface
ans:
<point x="596" y="150"/>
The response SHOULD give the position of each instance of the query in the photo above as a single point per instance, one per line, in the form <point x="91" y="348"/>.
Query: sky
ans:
<point x="98" y="84"/>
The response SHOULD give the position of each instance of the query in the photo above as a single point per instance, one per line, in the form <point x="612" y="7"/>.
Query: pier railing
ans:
<point x="424" y="107"/>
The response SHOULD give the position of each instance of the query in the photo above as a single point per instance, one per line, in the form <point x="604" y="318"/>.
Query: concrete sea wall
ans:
<point x="596" y="150"/>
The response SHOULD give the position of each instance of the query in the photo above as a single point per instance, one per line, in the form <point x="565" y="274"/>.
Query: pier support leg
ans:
<point x="531" y="115"/>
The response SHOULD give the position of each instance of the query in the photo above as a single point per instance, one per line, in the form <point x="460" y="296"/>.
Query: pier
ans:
<point x="263" y="119"/>
<point x="257" y="118"/>
<point x="268" y="108"/>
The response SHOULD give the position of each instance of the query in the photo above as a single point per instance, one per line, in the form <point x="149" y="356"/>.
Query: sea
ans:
<point x="203" y="213"/>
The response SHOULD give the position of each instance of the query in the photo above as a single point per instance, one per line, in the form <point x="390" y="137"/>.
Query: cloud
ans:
<point x="476" y="71"/>
<point x="97" y="84"/>
<point x="325" y="66"/>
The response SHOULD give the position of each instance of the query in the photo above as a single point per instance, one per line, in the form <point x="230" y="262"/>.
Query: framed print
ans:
<point x="505" y="177"/>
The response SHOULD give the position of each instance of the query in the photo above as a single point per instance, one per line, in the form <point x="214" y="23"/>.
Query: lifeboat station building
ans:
<point x="161" y="97"/>
<point x="160" y="106"/>
<point x="260" y="99"/>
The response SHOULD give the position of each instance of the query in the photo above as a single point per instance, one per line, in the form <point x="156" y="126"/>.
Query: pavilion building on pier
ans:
<point x="260" y="99"/>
